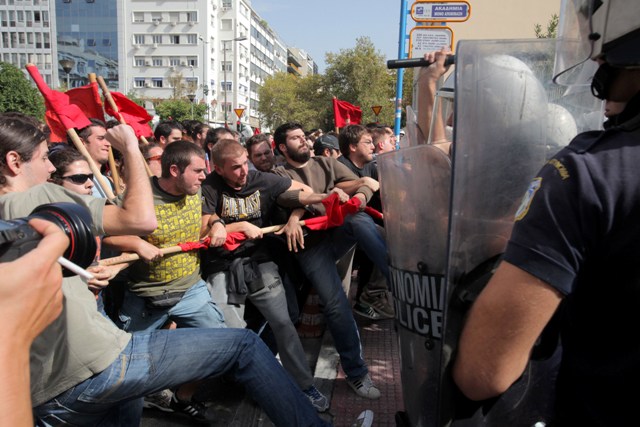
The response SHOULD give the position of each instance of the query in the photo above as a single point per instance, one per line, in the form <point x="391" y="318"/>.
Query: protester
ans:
<point x="83" y="369"/>
<point x="239" y="200"/>
<point x="72" y="170"/>
<point x="373" y="299"/>
<point x="318" y="258"/>
<point x="260" y="152"/>
<point x="327" y="146"/>
<point x="168" y="131"/>
<point x="152" y="153"/>
<point x="94" y="139"/>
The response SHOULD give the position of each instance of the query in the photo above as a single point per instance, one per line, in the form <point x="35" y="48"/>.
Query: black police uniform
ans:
<point x="578" y="229"/>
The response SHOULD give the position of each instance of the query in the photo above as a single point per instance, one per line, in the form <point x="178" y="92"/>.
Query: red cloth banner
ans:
<point x="133" y="114"/>
<point x="60" y="114"/>
<point x="88" y="99"/>
<point x="345" y="113"/>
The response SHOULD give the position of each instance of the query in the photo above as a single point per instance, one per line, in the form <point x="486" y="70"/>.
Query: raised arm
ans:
<point x="427" y="86"/>
<point x="136" y="214"/>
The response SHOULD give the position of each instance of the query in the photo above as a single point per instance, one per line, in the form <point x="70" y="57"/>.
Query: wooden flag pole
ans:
<point x="114" y="106"/>
<point x="112" y="161"/>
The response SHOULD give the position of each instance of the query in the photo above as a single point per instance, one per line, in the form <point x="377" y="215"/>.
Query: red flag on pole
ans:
<point x="345" y="113"/>
<point x="88" y="99"/>
<point x="133" y="114"/>
<point x="60" y="114"/>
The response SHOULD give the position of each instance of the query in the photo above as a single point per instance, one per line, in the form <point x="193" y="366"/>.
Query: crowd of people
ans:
<point x="95" y="351"/>
<point x="171" y="320"/>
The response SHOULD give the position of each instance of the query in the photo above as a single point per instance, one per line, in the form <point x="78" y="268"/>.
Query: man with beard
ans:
<point x="323" y="248"/>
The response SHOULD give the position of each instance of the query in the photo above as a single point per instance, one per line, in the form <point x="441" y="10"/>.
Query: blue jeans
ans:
<point x="318" y="262"/>
<point x="158" y="360"/>
<point x="361" y="229"/>
<point x="194" y="310"/>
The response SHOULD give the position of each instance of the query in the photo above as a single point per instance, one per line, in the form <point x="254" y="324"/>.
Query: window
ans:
<point x="139" y="61"/>
<point x="192" y="61"/>
<point x="192" y="39"/>
<point x="138" y="82"/>
<point x="157" y="62"/>
<point x="138" y="39"/>
<point x="106" y="42"/>
<point x="174" y="39"/>
<point x="192" y="16"/>
<point x="225" y="25"/>
<point x="91" y="42"/>
<point x="156" y="18"/>
<point x="227" y="4"/>
<point x="226" y="66"/>
<point x="138" y="16"/>
<point x="156" y="82"/>
<point x="174" y="17"/>
<point x="157" y="39"/>
<point x="47" y="44"/>
<point x="226" y="86"/>
<point x="174" y="61"/>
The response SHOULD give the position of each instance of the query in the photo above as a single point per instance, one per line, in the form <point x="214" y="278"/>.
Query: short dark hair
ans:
<point x="165" y="127"/>
<point x="280" y="134"/>
<point x="179" y="153"/>
<point x="21" y="136"/>
<point x="214" y="134"/>
<point x="350" y="135"/>
<point x="86" y="131"/>
<point x="197" y="129"/>
<point x="61" y="158"/>
<point x="256" y="140"/>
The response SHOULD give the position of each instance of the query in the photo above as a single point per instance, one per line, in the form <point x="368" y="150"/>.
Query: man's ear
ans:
<point x="14" y="162"/>
<point x="174" y="171"/>
<point x="352" y="148"/>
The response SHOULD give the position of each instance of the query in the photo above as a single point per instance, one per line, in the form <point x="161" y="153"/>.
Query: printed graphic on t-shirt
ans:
<point x="241" y="208"/>
<point x="178" y="223"/>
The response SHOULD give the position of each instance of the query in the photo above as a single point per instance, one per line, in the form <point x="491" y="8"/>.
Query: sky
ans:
<point x="320" y="26"/>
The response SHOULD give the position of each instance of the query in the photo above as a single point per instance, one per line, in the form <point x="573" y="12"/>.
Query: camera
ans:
<point x="17" y="237"/>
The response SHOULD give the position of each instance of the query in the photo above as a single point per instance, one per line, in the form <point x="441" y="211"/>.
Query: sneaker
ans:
<point x="364" y="387"/>
<point x="367" y="311"/>
<point x="160" y="400"/>
<point x="195" y="410"/>
<point x="318" y="400"/>
<point x="379" y="301"/>
<point x="365" y="419"/>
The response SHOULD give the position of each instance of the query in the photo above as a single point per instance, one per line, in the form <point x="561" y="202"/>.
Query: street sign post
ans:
<point x="239" y="112"/>
<point x="376" y="110"/>
<point x="429" y="39"/>
<point x="439" y="11"/>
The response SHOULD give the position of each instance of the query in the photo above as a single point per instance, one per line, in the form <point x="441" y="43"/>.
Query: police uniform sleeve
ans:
<point x="557" y="221"/>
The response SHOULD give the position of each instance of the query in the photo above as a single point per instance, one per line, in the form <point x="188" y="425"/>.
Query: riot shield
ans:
<point x="415" y="196"/>
<point x="446" y="228"/>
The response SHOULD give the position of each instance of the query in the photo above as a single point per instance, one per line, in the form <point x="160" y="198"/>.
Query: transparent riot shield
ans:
<point x="448" y="223"/>
<point x="415" y="197"/>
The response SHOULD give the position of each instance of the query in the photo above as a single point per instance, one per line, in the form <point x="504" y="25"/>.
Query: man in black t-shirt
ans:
<point x="239" y="200"/>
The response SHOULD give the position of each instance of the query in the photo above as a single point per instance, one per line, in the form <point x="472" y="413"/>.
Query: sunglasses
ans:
<point x="80" y="178"/>
<point x="158" y="157"/>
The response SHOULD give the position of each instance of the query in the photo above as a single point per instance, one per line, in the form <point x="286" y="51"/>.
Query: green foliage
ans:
<point x="552" y="29"/>
<point x="179" y="109"/>
<point x="357" y="75"/>
<point x="17" y="93"/>
<point x="360" y="76"/>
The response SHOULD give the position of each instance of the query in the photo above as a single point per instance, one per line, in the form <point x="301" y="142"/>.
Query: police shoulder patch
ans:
<point x="534" y="186"/>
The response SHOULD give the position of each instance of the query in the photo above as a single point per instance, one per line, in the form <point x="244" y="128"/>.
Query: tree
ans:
<point x="17" y="93"/>
<point x="286" y="98"/>
<point x="359" y="75"/>
<point x="179" y="109"/>
<point x="552" y="29"/>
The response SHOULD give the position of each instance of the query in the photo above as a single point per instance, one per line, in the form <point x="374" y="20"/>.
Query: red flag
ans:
<point x="234" y="240"/>
<point x="317" y="223"/>
<point x="61" y="114"/>
<point x="135" y="116"/>
<point x="88" y="99"/>
<point x="345" y="113"/>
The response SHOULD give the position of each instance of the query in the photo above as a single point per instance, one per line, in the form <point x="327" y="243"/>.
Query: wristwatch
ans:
<point x="219" y="220"/>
